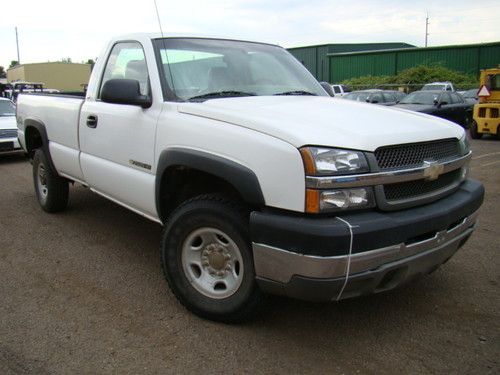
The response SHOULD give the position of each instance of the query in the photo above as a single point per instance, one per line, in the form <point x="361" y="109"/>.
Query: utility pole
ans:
<point x="17" y="43"/>
<point x="426" y="28"/>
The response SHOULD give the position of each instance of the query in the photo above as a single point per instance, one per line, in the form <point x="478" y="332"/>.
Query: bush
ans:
<point x="416" y="76"/>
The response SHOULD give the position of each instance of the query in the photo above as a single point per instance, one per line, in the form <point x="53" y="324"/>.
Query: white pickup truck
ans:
<point x="264" y="183"/>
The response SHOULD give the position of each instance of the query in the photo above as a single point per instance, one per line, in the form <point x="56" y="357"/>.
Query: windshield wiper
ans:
<point x="297" y="92"/>
<point x="222" y="94"/>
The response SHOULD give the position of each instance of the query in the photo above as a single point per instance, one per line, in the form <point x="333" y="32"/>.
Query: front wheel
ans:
<point x="473" y="131"/>
<point x="51" y="190"/>
<point x="207" y="259"/>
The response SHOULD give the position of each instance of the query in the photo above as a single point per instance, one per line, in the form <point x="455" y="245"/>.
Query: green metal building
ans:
<point x="316" y="60"/>
<point x="463" y="58"/>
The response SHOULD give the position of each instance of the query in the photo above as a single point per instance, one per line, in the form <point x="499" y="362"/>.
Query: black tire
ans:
<point x="473" y="131"/>
<point x="51" y="190"/>
<point x="200" y="213"/>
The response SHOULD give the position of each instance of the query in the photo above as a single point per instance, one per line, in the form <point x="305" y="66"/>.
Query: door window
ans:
<point x="388" y="97"/>
<point x="376" y="98"/>
<point x="455" y="98"/>
<point x="445" y="98"/>
<point x="127" y="61"/>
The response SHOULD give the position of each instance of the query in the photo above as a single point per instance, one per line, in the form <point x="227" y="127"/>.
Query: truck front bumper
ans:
<point x="324" y="259"/>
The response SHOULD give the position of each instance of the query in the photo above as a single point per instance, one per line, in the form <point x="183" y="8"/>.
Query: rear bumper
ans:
<point x="360" y="253"/>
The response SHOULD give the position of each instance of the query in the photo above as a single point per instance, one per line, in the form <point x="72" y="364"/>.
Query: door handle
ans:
<point x="92" y="121"/>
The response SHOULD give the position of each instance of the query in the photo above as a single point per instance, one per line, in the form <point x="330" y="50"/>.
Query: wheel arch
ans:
<point x="231" y="175"/>
<point x="35" y="136"/>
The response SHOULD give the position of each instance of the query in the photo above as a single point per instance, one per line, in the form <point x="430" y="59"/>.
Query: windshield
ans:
<point x="357" y="96"/>
<point x="420" y="97"/>
<point x="7" y="108"/>
<point x="200" y="69"/>
<point x="470" y="94"/>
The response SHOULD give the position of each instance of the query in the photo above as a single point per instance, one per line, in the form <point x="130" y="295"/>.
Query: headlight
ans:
<point x="319" y="161"/>
<point x="339" y="199"/>
<point x="464" y="144"/>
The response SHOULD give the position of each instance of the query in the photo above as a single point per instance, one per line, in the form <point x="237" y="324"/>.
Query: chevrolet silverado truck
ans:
<point x="263" y="183"/>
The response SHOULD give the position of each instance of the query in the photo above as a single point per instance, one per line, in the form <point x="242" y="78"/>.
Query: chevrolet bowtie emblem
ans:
<point x="432" y="170"/>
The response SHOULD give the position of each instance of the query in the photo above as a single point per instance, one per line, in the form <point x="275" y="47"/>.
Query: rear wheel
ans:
<point x="207" y="259"/>
<point x="473" y="131"/>
<point x="51" y="190"/>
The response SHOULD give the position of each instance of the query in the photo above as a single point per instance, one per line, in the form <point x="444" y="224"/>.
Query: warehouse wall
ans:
<point x="315" y="58"/>
<point x="54" y="75"/>
<point x="467" y="59"/>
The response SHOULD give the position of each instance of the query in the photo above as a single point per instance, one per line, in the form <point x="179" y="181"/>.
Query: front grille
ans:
<point x="413" y="155"/>
<point x="8" y="133"/>
<point x="418" y="188"/>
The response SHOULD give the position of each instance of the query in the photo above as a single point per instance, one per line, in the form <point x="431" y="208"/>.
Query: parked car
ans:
<point x="448" y="105"/>
<point x="8" y="126"/>
<point x="262" y="182"/>
<point x="398" y="95"/>
<point x="340" y="90"/>
<point x="373" y="96"/>
<point x="471" y="95"/>
<point x="439" y="86"/>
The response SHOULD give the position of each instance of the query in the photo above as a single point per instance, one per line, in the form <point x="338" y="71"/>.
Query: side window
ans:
<point x="445" y="98"/>
<point x="336" y="89"/>
<point x="376" y="98"/>
<point x="455" y="98"/>
<point x="388" y="97"/>
<point x="127" y="60"/>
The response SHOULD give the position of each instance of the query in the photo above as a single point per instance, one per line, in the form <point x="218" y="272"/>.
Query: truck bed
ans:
<point x="60" y="114"/>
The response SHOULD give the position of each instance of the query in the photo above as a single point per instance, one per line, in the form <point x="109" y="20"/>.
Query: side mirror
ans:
<point x="326" y="86"/>
<point x="437" y="103"/>
<point x="124" y="91"/>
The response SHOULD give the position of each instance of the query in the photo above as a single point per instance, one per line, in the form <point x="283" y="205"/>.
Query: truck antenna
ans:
<point x="164" y="47"/>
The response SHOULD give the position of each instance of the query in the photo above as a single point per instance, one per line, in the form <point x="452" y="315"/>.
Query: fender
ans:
<point x="40" y="126"/>
<point x="239" y="176"/>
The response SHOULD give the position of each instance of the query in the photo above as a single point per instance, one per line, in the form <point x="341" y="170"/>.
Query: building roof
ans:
<point x="46" y="63"/>
<point x="399" y="44"/>
<point x="413" y="49"/>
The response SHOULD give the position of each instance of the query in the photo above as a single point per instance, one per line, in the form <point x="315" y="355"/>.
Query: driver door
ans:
<point x="117" y="141"/>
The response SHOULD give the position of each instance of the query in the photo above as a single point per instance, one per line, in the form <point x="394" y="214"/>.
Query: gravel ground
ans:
<point x="83" y="292"/>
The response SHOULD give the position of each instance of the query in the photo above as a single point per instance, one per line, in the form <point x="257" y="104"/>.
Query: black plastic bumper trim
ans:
<point x="371" y="229"/>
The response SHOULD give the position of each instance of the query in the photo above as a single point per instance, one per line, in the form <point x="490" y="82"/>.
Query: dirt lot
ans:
<point x="83" y="292"/>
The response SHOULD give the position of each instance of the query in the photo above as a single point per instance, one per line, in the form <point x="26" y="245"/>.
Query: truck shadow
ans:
<point x="13" y="157"/>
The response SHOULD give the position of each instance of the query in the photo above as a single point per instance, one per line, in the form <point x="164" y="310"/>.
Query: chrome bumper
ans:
<point x="280" y="266"/>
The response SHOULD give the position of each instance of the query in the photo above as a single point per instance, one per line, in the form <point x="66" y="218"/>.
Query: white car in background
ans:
<point x="340" y="90"/>
<point x="440" y="86"/>
<point x="8" y="126"/>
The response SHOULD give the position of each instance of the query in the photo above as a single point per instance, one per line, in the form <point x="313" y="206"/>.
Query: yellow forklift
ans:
<point x="486" y="119"/>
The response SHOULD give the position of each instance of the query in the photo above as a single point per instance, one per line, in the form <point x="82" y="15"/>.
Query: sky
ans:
<point x="50" y="30"/>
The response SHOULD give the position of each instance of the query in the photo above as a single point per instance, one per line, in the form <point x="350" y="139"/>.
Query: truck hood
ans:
<point x="8" y="122"/>
<point x="312" y="120"/>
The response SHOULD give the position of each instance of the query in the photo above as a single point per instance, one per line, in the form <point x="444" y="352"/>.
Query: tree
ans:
<point x="13" y="63"/>
<point x="3" y="74"/>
